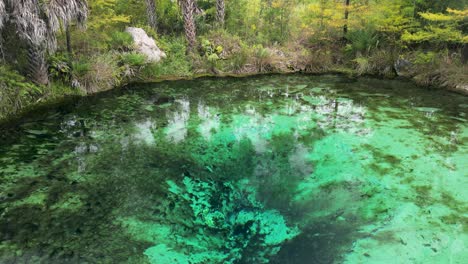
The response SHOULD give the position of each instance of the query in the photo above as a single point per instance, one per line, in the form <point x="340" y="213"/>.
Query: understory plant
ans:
<point x="16" y="92"/>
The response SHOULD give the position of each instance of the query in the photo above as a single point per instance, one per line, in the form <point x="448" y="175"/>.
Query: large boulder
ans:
<point x="146" y="45"/>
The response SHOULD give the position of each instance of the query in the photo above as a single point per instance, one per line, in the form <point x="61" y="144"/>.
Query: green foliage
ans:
<point x="239" y="59"/>
<point x="169" y="17"/>
<point x="176" y="63"/>
<point x="209" y="49"/>
<point x="362" y="41"/>
<point x="59" y="66"/>
<point x="133" y="59"/>
<point x="380" y="62"/>
<point x="262" y="58"/>
<point x="440" y="28"/>
<point x="425" y="57"/>
<point x="102" y="72"/>
<point x="211" y="53"/>
<point x="105" y="16"/>
<point x="81" y="68"/>
<point x="15" y="91"/>
<point x="120" y="41"/>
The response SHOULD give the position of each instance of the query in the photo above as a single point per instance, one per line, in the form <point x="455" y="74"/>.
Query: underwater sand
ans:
<point x="273" y="169"/>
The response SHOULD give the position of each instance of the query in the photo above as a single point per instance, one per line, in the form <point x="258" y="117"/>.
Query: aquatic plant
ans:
<point x="227" y="224"/>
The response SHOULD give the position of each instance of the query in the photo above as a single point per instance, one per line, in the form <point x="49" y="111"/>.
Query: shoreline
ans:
<point x="16" y="118"/>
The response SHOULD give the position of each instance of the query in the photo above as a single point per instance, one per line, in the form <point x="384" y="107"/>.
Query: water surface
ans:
<point x="272" y="169"/>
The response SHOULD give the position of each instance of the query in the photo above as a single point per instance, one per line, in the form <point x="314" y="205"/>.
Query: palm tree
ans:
<point x="151" y="12"/>
<point x="37" y="22"/>
<point x="2" y="13"/>
<point x="220" y="9"/>
<point x="188" y="7"/>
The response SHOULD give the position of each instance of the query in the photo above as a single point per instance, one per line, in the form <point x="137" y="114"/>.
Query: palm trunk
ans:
<point x="151" y="12"/>
<point x="220" y="11"/>
<point x="189" y="23"/>
<point x="346" y="15"/>
<point x="37" y="67"/>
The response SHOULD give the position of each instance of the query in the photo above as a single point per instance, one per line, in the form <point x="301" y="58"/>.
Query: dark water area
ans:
<point x="271" y="169"/>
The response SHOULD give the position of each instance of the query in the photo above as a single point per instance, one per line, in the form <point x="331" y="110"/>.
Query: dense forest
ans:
<point x="53" y="48"/>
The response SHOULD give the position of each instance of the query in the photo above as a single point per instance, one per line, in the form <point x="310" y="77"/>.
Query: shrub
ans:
<point x="175" y="64"/>
<point x="81" y="68"/>
<point x="133" y="59"/>
<point x="262" y="58"/>
<point x="318" y="61"/>
<point x="380" y="62"/>
<point x="104" y="73"/>
<point x="16" y="92"/>
<point x="439" y="69"/>
<point x="239" y="60"/>
<point x="362" y="65"/>
<point x="361" y="42"/>
<point x="211" y="55"/>
<point x="122" y="41"/>
<point x="422" y="58"/>
<point x="59" y="67"/>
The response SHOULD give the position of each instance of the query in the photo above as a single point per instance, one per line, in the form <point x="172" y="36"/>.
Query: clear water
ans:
<point x="272" y="169"/>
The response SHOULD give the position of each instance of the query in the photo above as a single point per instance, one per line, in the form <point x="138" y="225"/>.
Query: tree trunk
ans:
<point x="189" y="23"/>
<point x="464" y="53"/>
<point x="346" y="15"/>
<point x="37" y="65"/>
<point x="69" y="47"/>
<point x="151" y="13"/>
<point x="220" y="9"/>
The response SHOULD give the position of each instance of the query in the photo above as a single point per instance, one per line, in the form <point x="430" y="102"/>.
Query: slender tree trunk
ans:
<point x="188" y="7"/>
<point x="151" y="12"/>
<point x="464" y="57"/>
<point x="346" y="15"/>
<point x="37" y="67"/>
<point x="220" y="11"/>
<point x="69" y="47"/>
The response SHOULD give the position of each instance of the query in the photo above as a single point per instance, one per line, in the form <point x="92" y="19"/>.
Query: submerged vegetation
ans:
<point x="81" y="47"/>
<point x="269" y="169"/>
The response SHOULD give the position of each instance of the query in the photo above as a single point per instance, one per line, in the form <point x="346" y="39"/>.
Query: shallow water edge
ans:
<point x="345" y="72"/>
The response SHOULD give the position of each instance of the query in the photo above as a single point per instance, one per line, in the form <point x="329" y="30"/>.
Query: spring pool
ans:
<point x="271" y="169"/>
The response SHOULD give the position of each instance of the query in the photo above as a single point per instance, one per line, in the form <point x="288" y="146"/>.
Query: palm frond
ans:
<point x="3" y="14"/>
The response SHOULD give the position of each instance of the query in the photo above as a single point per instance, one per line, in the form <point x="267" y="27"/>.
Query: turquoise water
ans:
<point x="271" y="169"/>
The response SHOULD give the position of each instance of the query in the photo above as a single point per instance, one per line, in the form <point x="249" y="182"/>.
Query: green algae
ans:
<point x="275" y="169"/>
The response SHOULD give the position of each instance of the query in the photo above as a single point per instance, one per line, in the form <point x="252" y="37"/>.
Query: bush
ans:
<point x="422" y="58"/>
<point x="175" y="64"/>
<point x="59" y="67"/>
<point x="439" y="69"/>
<point x="361" y="42"/>
<point x="81" y="68"/>
<point x="16" y="92"/>
<point x="380" y="62"/>
<point x="239" y="60"/>
<point x="121" y="41"/>
<point x="261" y="57"/>
<point x="133" y="59"/>
<point x="383" y="62"/>
<point x="362" y="65"/>
<point x="101" y="73"/>
<point x="318" y="61"/>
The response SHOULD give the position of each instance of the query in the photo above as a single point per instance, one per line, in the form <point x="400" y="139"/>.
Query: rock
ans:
<point x="403" y="67"/>
<point x="461" y="88"/>
<point x="145" y="45"/>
